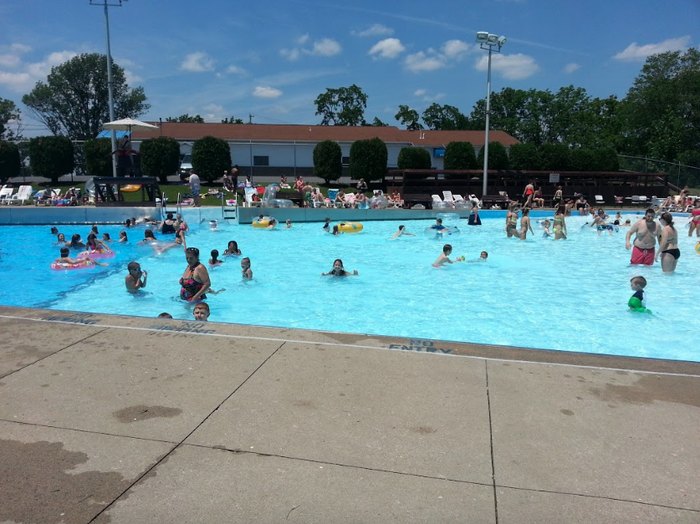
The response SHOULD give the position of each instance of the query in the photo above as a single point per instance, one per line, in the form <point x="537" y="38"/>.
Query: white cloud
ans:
<point x="326" y="47"/>
<point x="571" y="67"/>
<point x="30" y="74"/>
<point x="9" y="60"/>
<point x="512" y="67"/>
<point x="303" y="39"/>
<point x="291" y="54"/>
<point x="387" y="48"/>
<point x="420" y="92"/>
<point x="635" y="52"/>
<point x="266" y="92"/>
<point x="235" y="70"/>
<point x="198" y="62"/>
<point x="425" y="96"/>
<point x="455" y="49"/>
<point x="424" y="61"/>
<point x="374" y="30"/>
<point x="15" y="81"/>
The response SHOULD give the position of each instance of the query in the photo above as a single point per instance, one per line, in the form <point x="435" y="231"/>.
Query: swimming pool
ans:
<point x="563" y="295"/>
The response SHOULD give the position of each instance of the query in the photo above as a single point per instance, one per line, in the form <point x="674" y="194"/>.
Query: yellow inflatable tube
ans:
<point x="261" y="223"/>
<point x="350" y="227"/>
<point x="130" y="188"/>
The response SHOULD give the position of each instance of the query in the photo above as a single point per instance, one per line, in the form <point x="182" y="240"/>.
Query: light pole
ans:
<point x="110" y="94"/>
<point x="488" y="41"/>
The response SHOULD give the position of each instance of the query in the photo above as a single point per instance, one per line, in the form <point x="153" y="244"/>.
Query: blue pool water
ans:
<point x="563" y="295"/>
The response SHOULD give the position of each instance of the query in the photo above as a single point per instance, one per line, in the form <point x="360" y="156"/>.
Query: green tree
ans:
<point x="98" y="157"/>
<point x="51" y="156"/>
<point x="377" y="122"/>
<point x="211" y="156"/>
<point x="328" y="159"/>
<point x="661" y="112"/>
<point x="498" y="156"/>
<point x="414" y="158"/>
<point x="189" y="119"/>
<point x="343" y="106"/>
<point x="605" y="159"/>
<point x="160" y="157"/>
<point x="582" y="159"/>
<point x="554" y="157"/>
<point x="460" y="155"/>
<point x="368" y="159"/>
<point x="74" y="101"/>
<point x="524" y="157"/>
<point x="408" y="117"/>
<point x="10" y="165"/>
<point x="232" y="120"/>
<point x="9" y="116"/>
<point x="447" y="118"/>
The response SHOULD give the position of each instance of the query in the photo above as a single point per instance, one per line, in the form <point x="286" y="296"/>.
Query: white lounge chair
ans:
<point x="6" y="193"/>
<point x="23" y="194"/>
<point x="599" y="199"/>
<point x="437" y="202"/>
<point x="249" y="192"/>
<point x="448" y="198"/>
<point x="460" y="202"/>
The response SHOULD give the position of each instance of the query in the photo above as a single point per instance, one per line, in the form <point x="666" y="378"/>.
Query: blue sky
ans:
<point x="272" y="58"/>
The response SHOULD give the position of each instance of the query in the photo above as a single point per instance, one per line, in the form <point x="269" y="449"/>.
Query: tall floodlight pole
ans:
<point x="488" y="41"/>
<point x="110" y="87"/>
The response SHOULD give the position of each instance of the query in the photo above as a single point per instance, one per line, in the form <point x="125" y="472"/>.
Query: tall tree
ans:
<point x="74" y="100"/>
<point x="189" y="119"/>
<point x="661" y="112"/>
<point x="342" y="106"/>
<point x="408" y="117"/>
<point x="232" y="120"/>
<point x="445" y="117"/>
<point x="10" y="127"/>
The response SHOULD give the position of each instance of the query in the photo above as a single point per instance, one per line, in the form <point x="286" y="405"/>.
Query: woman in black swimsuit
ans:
<point x="668" y="244"/>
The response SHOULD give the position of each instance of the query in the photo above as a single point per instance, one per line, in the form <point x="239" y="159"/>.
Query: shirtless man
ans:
<point x="444" y="257"/>
<point x="645" y="232"/>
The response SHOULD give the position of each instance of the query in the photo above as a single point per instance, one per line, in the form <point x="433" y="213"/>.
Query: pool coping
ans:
<point x="406" y="344"/>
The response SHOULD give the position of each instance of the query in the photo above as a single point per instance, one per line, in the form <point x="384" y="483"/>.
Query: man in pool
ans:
<point x="645" y="232"/>
<point x="135" y="279"/>
<point x="65" y="261"/>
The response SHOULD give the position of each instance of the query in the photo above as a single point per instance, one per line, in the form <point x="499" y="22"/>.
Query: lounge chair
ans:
<point x="437" y="202"/>
<point x="448" y="198"/>
<point x="459" y="202"/>
<point x="249" y="193"/>
<point x="599" y="199"/>
<point x="6" y="193"/>
<point x="23" y="194"/>
<point x="332" y="197"/>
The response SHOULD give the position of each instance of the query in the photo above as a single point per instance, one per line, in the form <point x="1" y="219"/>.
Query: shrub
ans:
<point x="10" y="164"/>
<point x="524" y="157"/>
<point x="414" y="158"/>
<point x="368" y="159"/>
<point x="582" y="159"/>
<point x="606" y="159"/>
<point x="328" y="158"/>
<point x="160" y="157"/>
<point x="211" y="156"/>
<point x="98" y="157"/>
<point x="460" y="155"/>
<point x="498" y="157"/>
<point x="51" y="156"/>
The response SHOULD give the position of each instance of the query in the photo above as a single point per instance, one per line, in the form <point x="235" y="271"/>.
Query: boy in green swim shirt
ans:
<point x="636" y="301"/>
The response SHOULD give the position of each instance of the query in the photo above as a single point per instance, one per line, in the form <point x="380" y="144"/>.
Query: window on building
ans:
<point x="345" y="160"/>
<point x="261" y="160"/>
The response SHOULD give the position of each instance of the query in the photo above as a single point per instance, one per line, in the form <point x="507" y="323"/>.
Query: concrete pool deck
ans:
<point x="124" y="419"/>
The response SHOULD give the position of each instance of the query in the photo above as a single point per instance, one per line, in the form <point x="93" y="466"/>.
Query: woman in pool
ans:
<point x="232" y="249"/>
<point x="668" y="244"/>
<point x="122" y="237"/>
<point x="75" y="242"/>
<point x="148" y="238"/>
<point x="95" y="245"/>
<point x="169" y="224"/>
<point x="60" y="239"/>
<point x="512" y="222"/>
<point x="195" y="279"/>
<point x="339" y="271"/>
<point x="560" y="223"/>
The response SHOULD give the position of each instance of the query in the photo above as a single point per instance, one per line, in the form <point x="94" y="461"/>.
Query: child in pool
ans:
<point x="636" y="301"/>
<point x="444" y="257"/>
<point x="246" y="272"/>
<point x="214" y="260"/>
<point x="201" y="311"/>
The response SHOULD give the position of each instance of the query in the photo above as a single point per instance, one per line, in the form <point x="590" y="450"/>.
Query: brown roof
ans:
<point x="311" y="133"/>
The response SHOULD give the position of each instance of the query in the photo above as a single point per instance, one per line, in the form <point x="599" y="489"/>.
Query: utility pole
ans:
<point x="250" y="118"/>
<point x="110" y="84"/>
